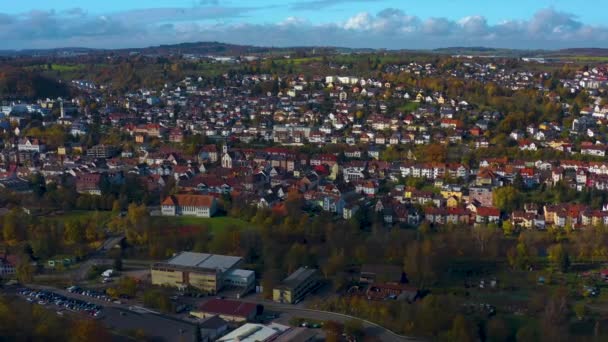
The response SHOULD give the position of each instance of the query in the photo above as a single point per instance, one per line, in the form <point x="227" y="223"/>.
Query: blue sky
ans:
<point x="392" y="24"/>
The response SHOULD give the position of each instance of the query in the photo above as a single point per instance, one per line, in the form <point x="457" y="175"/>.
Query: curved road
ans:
<point x="371" y="329"/>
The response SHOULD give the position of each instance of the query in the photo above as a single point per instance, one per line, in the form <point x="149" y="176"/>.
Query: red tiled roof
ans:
<point x="189" y="200"/>
<point x="488" y="211"/>
<point x="228" y="307"/>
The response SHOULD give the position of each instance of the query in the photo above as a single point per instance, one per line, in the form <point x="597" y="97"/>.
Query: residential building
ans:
<point x="189" y="205"/>
<point x="296" y="286"/>
<point x="89" y="183"/>
<point x="31" y="145"/>
<point x="101" y="151"/>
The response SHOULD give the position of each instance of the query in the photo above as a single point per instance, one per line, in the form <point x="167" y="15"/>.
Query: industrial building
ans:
<point x="206" y="272"/>
<point x="296" y="286"/>
<point x="228" y="310"/>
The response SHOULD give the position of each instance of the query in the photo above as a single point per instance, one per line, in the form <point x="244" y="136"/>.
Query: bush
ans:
<point x="157" y="299"/>
<point x="95" y="271"/>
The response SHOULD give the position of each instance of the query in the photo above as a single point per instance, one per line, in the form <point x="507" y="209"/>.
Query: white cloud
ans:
<point x="361" y="21"/>
<point x="389" y="28"/>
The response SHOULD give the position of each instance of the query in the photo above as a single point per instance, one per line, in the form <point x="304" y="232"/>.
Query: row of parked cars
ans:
<point x="89" y="293"/>
<point x="44" y="297"/>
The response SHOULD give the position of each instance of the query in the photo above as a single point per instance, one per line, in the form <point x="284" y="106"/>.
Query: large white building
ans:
<point x="27" y="144"/>
<point x="253" y="332"/>
<point x="189" y="205"/>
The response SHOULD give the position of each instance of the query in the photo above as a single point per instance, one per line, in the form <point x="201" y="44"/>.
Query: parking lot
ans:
<point x="62" y="303"/>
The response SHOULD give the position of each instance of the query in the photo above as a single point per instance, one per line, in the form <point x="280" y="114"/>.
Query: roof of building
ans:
<point x="204" y="260"/>
<point x="213" y="323"/>
<point x="254" y="332"/>
<point x="189" y="200"/>
<point x="297" y="335"/>
<point x="298" y="276"/>
<point x="241" y="273"/>
<point x="384" y="272"/>
<point x="228" y="307"/>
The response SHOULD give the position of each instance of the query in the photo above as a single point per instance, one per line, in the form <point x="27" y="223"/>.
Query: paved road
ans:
<point x="371" y="328"/>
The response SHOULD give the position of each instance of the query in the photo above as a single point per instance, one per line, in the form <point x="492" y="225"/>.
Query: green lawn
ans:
<point x="585" y="58"/>
<point x="104" y="216"/>
<point x="213" y="223"/>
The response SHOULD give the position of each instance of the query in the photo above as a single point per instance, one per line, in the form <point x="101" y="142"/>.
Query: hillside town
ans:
<point x="330" y="199"/>
<point x="378" y="146"/>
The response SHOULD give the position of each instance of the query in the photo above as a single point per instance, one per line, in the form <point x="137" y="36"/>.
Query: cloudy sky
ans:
<point x="392" y="24"/>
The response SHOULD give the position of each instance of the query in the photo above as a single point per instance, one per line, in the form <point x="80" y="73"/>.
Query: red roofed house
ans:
<point x="487" y="215"/>
<point x="189" y="205"/>
<point x="446" y="215"/>
<point x="89" y="183"/>
<point x="228" y="310"/>
<point x="323" y="159"/>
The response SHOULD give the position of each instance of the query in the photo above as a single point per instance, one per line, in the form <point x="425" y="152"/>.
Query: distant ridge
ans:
<point x="591" y="52"/>
<point x="219" y="48"/>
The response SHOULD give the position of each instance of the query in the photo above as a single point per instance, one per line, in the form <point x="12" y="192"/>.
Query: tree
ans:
<point x="157" y="299"/>
<point x="421" y="262"/>
<point x="580" y="309"/>
<point x="127" y="286"/>
<point x="433" y="153"/>
<point x="354" y="328"/>
<point x="461" y="330"/>
<point x="116" y="207"/>
<point x="519" y="257"/>
<point x="333" y="330"/>
<point x="518" y="182"/>
<point x="270" y="279"/>
<point x="295" y="257"/>
<point x="25" y="270"/>
<point x="506" y="198"/>
<point x="89" y="330"/>
<point x="559" y="256"/>
<point x="334" y="264"/>
<point x="507" y="228"/>
<point x="497" y="331"/>
<point x="527" y="333"/>
<point x="483" y="237"/>
<point x="73" y="232"/>
<point x="10" y="229"/>
<point x="554" y="319"/>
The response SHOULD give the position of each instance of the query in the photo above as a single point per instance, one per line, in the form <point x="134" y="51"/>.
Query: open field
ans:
<point x="214" y="223"/>
<point x="584" y="58"/>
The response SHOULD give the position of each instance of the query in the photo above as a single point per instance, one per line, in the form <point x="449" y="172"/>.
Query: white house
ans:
<point x="189" y="205"/>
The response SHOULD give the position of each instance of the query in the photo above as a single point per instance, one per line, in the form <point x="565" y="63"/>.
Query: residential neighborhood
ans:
<point x="308" y="195"/>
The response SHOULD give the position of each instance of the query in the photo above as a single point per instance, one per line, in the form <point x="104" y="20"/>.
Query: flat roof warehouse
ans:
<point x="204" y="261"/>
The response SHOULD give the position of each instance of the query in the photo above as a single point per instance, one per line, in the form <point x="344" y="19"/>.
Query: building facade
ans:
<point x="296" y="286"/>
<point x="189" y="205"/>
<point x="205" y="272"/>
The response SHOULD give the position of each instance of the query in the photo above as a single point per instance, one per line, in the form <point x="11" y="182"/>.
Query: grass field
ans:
<point x="104" y="216"/>
<point x="214" y="223"/>
<point x="298" y="61"/>
<point x="584" y="58"/>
